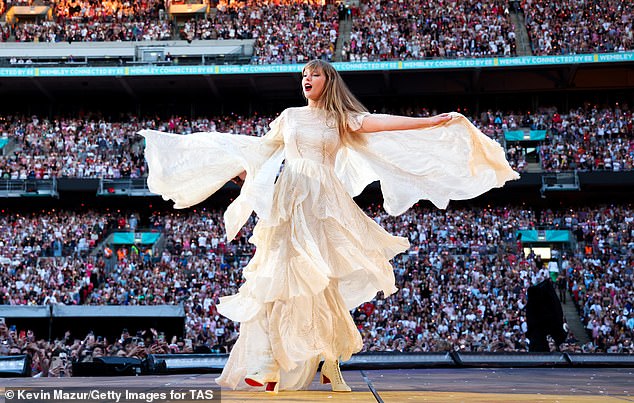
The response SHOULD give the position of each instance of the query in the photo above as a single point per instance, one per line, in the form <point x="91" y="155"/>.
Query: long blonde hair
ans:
<point x="338" y="101"/>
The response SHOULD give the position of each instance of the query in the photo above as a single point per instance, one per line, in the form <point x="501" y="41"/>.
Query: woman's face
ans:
<point x="313" y="84"/>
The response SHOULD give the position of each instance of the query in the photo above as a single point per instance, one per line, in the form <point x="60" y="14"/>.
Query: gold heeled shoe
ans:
<point x="330" y="373"/>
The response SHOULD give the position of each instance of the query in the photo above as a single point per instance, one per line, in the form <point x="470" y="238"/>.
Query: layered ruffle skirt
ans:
<point x="317" y="257"/>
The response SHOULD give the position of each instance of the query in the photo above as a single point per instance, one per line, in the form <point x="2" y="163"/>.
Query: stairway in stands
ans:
<point x="522" y="41"/>
<point x="574" y="320"/>
<point x="533" y="167"/>
<point x="345" y="27"/>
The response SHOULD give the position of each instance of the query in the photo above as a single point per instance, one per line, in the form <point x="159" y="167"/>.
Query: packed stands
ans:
<point x="51" y="31"/>
<point x="462" y="285"/>
<point x="292" y="31"/>
<point x="590" y="138"/>
<point x="587" y="138"/>
<point x="285" y="32"/>
<point x="71" y="148"/>
<point x="599" y="273"/>
<point x="402" y="30"/>
<point x="571" y="27"/>
<point x="86" y="21"/>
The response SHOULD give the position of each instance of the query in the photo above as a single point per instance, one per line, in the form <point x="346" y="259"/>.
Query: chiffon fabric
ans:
<point x="317" y="254"/>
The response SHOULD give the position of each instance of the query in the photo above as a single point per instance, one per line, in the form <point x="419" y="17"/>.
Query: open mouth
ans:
<point x="307" y="87"/>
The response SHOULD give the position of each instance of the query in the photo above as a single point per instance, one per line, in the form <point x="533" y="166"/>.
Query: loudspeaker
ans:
<point x="186" y="363"/>
<point x="152" y="365"/>
<point x="510" y="359"/>
<point x="387" y="360"/>
<point x="601" y="360"/>
<point x="15" y="365"/>
<point x="544" y="316"/>
<point x="108" y="366"/>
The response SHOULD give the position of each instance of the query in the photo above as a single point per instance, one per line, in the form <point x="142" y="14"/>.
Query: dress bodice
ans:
<point x="310" y="134"/>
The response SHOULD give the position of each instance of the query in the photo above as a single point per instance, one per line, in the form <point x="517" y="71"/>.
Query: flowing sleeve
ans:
<point x="452" y="161"/>
<point x="355" y="120"/>
<point x="189" y="168"/>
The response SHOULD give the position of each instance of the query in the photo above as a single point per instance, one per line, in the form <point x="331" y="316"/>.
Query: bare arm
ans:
<point x="380" y="123"/>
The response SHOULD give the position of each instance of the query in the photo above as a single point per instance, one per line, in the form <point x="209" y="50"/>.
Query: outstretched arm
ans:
<point x="380" y="123"/>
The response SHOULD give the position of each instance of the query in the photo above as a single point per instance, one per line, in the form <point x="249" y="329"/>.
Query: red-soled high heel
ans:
<point x="331" y="374"/>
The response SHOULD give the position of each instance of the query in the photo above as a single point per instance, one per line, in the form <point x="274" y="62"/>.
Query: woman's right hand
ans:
<point x="239" y="180"/>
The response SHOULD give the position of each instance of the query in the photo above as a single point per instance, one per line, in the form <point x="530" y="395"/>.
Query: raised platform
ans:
<point x="407" y="385"/>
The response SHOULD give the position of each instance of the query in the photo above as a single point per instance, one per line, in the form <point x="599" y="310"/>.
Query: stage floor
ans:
<point x="408" y="385"/>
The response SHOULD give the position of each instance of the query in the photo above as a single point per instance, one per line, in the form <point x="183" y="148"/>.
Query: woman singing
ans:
<point x="318" y="255"/>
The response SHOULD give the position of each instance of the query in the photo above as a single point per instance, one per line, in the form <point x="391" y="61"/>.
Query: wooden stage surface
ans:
<point x="517" y="385"/>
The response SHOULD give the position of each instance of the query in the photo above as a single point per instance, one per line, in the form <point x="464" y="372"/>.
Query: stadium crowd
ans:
<point x="95" y="147"/>
<point x="462" y="285"/>
<point x="600" y="272"/>
<point x="291" y="31"/>
<point x="287" y="31"/>
<point x="89" y="21"/>
<point x="96" y="31"/>
<point x="586" y="138"/>
<point x="589" y="138"/>
<point x="389" y="30"/>
<point x="82" y="148"/>
<point x="571" y="27"/>
<point x="28" y="237"/>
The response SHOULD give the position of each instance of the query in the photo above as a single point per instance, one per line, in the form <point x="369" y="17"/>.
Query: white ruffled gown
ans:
<point x="318" y="255"/>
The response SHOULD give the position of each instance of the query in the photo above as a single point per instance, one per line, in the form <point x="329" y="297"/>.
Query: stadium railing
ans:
<point x="28" y="187"/>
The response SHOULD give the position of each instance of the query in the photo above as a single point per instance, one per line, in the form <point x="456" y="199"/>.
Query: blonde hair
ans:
<point x="338" y="101"/>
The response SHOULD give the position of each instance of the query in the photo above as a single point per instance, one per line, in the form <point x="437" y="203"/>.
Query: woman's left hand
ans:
<point x="439" y="119"/>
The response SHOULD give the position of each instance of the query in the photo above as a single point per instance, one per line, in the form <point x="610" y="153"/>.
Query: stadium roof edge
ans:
<point x="122" y="311"/>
